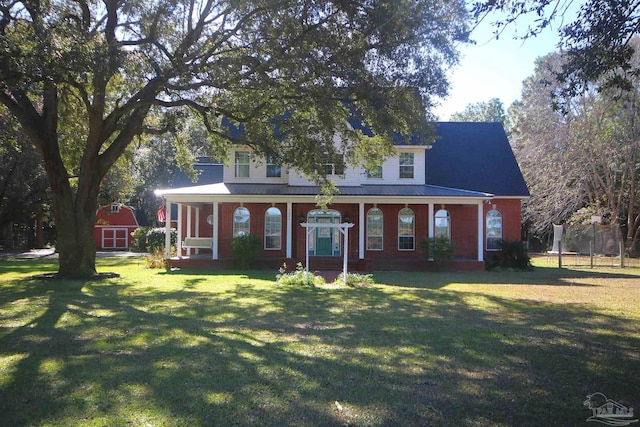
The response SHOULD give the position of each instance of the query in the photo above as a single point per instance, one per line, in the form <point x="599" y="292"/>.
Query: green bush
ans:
<point x="246" y="248"/>
<point x="298" y="277"/>
<point x="139" y="239"/>
<point x="513" y="255"/>
<point x="156" y="237"/>
<point x="439" y="249"/>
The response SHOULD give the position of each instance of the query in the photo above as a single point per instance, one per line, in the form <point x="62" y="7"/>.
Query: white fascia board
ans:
<point x="415" y="200"/>
<point x="381" y="200"/>
<point x="512" y="197"/>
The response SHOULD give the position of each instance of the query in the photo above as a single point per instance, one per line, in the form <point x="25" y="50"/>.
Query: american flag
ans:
<point x="162" y="211"/>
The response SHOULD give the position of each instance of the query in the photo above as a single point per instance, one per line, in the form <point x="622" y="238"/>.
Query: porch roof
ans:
<point x="240" y="189"/>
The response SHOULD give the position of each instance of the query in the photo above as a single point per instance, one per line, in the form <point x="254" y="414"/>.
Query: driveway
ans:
<point x="50" y="252"/>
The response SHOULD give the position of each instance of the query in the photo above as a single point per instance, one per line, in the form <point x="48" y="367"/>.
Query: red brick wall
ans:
<point x="390" y="231"/>
<point x="511" y="211"/>
<point x="463" y="228"/>
<point x="225" y="225"/>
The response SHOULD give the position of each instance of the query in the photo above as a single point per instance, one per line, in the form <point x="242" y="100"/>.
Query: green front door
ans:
<point x="324" y="238"/>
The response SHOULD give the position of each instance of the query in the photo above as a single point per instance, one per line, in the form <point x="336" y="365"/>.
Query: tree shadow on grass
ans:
<point x="106" y="354"/>
<point x="537" y="276"/>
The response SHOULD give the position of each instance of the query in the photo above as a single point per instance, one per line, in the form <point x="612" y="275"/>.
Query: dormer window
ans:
<point x="334" y="167"/>
<point x="406" y="165"/>
<point x="375" y="173"/>
<point x="115" y="208"/>
<point x="241" y="164"/>
<point x="274" y="170"/>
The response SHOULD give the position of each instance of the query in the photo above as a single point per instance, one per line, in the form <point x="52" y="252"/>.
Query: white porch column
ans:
<point x="431" y="224"/>
<point x="345" y="259"/>
<point x="188" y="234"/>
<point x="480" y="231"/>
<point x="214" y="248"/>
<point x="361" y="230"/>
<point x="306" y="249"/>
<point x="167" y="230"/>
<point x="197" y="226"/>
<point x="289" y="229"/>
<point x="179" y="239"/>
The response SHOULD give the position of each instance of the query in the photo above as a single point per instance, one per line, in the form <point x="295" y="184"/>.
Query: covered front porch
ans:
<point x="384" y="232"/>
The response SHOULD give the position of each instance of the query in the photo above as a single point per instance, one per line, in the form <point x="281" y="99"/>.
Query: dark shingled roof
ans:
<point x="209" y="171"/>
<point x="467" y="159"/>
<point x="475" y="157"/>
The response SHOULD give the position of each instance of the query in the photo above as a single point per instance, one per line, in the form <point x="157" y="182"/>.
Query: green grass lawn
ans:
<point x="196" y="348"/>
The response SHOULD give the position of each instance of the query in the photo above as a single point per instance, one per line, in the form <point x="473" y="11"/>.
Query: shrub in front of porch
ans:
<point x="139" y="239"/>
<point x="246" y="248"/>
<point x="156" y="239"/>
<point x="438" y="249"/>
<point x="513" y="255"/>
<point x="297" y="277"/>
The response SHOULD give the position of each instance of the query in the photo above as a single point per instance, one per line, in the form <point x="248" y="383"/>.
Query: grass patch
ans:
<point x="194" y="348"/>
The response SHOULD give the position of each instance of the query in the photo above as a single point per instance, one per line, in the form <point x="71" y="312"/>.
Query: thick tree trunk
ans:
<point x="7" y="231"/>
<point x="75" y="216"/>
<point x="75" y="243"/>
<point x="632" y="224"/>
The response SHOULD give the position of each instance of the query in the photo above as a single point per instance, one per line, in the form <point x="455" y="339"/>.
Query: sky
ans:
<point x="494" y="68"/>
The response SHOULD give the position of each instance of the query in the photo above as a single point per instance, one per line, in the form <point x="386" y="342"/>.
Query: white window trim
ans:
<point x="448" y="217"/>
<point x="487" y="237"/>
<point x="412" y="165"/>
<point x="237" y="164"/>
<point x="248" y="227"/>
<point x="381" y="248"/>
<point x="270" y="162"/>
<point x="413" y="235"/>
<point x="368" y="176"/>
<point x="265" y="230"/>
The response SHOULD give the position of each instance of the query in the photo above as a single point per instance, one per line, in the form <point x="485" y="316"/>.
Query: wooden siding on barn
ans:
<point x="114" y="225"/>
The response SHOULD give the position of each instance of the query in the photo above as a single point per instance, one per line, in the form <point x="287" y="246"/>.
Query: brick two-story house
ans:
<point x="466" y="186"/>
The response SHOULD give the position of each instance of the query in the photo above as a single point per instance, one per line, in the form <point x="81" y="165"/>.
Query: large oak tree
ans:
<point x="596" y="43"/>
<point x="86" y="78"/>
<point x="586" y="156"/>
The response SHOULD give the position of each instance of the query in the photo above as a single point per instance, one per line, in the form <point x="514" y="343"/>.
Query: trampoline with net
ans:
<point x="591" y="245"/>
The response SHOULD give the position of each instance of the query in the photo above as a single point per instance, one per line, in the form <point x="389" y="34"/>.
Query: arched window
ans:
<point x="442" y="224"/>
<point x="406" y="230"/>
<point x="241" y="222"/>
<point x="273" y="229"/>
<point x="494" y="229"/>
<point x="374" y="229"/>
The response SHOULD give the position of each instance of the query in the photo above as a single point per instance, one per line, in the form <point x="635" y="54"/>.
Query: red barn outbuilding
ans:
<point x="114" y="224"/>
